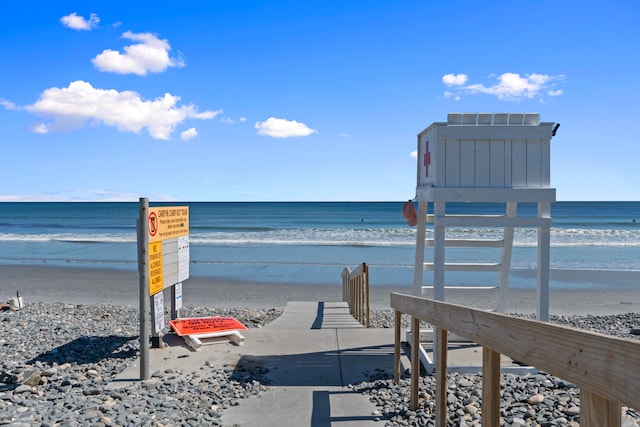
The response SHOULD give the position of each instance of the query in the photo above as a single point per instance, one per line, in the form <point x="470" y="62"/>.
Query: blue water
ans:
<point x="312" y="242"/>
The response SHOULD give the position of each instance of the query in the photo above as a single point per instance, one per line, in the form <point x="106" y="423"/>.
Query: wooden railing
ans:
<point x="355" y="291"/>
<point x="605" y="368"/>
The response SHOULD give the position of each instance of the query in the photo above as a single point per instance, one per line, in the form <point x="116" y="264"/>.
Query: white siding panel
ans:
<point x="545" y="166"/>
<point x="508" y="164"/>
<point x="519" y="163"/>
<point x="438" y="162"/>
<point x="497" y="164"/>
<point x="483" y="163"/>
<point x="453" y="163"/>
<point x="534" y="163"/>
<point x="467" y="163"/>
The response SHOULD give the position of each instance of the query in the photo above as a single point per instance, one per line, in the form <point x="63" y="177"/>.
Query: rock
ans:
<point x="30" y="377"/>
<point x="23" y="388"/>
<point x="535" y="399"/>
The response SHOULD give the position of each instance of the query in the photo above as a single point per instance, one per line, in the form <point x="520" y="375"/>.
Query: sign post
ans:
<point x="163" y="261"/>
<point x="143" y="244"/>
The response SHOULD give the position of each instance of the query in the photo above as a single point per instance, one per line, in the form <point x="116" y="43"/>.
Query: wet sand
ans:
<point x="611" y="293"/>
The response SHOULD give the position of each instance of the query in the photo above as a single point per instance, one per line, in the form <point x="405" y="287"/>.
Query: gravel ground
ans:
<point x="56" y="359"/>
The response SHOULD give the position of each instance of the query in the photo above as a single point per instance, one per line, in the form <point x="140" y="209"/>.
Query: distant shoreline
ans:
<point x="77" y="285"/>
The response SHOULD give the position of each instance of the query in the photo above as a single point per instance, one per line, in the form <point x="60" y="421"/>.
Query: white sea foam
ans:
<point x="560" y="237"/>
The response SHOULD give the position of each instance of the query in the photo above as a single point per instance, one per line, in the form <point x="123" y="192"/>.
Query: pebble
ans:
<point x="526" y="400"/>
<point x="56" y="359"/>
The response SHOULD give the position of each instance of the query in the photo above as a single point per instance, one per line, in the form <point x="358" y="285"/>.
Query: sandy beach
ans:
<point x="76" y="285"/>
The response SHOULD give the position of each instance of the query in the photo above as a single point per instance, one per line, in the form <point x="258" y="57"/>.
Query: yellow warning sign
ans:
<point x="155" y="268"/>
<point x="168" y="222"/>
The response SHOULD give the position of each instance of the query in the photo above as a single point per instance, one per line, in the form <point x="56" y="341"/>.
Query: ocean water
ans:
<point x="312" y="242"/>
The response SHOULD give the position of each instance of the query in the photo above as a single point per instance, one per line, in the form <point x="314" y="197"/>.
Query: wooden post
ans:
<point x="415" y="361"/>
<point x="438" y="251"/>
<point x="365" y="268"/>
<point x="507" y="249"/>
<point x="442" y="347"/>
<point x="544" y="241"/>
<point x="396" y="349"/>
<point x="490" y="387"/>
<point x="596" y="411"/>
<point x="420" y="243"/>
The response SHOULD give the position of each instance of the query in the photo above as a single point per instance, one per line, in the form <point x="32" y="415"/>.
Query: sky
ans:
<point x="303" y="100"/>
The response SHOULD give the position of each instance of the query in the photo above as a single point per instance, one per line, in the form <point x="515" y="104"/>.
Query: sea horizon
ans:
<point x="312" y="242"/>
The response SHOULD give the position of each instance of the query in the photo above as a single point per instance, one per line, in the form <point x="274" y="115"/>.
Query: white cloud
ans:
<point x="80" y="103"/>
<point x="40" y="128"/>
<point x="226" y="120"/>
<point x="188" y="134"/>
<point x="8" y="104"/>
<point x="149" y="55"/>
<point x="513" y="86"/>
<point x="450" y="95"/>
<point x="454" y="79"/>
<point x="89" y="195"/>
<point x="282" y="128"/>
<point x="556" y="92"/>
<point x="76" y="22"/>
<point x="414" y="154"/>
<point x="243" y="119"/>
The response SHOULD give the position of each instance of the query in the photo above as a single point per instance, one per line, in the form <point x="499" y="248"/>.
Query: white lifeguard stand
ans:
<point x="484" y="157"/>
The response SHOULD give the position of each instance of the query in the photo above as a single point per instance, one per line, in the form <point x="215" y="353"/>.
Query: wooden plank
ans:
<point x="498" y="195"/>
<point x="462" y="288"/>
<point x="497" y="221"/>
<point x="596" y="411"/>
<point x="470" y="243"/>
<point x="606" y="365"/>
<point x="490" y="387"/>
<point x="462" y="266"/>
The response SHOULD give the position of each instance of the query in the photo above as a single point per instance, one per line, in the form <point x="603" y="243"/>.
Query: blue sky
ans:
<point x="303" y="101"/>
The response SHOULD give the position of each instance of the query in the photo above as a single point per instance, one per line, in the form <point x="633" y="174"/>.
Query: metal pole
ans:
<point x="143" y="247"/>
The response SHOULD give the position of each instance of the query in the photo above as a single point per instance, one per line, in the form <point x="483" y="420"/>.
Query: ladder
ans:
<point x="439" y="266"/>
<point x="508" y="221"/>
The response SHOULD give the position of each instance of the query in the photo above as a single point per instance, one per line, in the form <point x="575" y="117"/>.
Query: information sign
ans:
<point x="155" y="268"/>
<point x="183" y="258"/>
<point x="158" y="310"/>
<point x="205" y="325"/>
<point x="178" y="296"/>
<point x="168" y="222"/>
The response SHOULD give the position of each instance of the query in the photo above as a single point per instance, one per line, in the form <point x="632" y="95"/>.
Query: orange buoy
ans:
<point x="409" y="213"/>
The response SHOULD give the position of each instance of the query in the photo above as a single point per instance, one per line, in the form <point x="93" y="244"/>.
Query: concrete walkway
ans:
<point x="312" y="353"/>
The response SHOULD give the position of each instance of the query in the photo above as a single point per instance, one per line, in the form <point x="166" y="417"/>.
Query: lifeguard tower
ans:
<point x="484" y="158"/>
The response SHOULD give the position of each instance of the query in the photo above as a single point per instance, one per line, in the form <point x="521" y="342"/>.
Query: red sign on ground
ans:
<point x="205" y="325"/>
